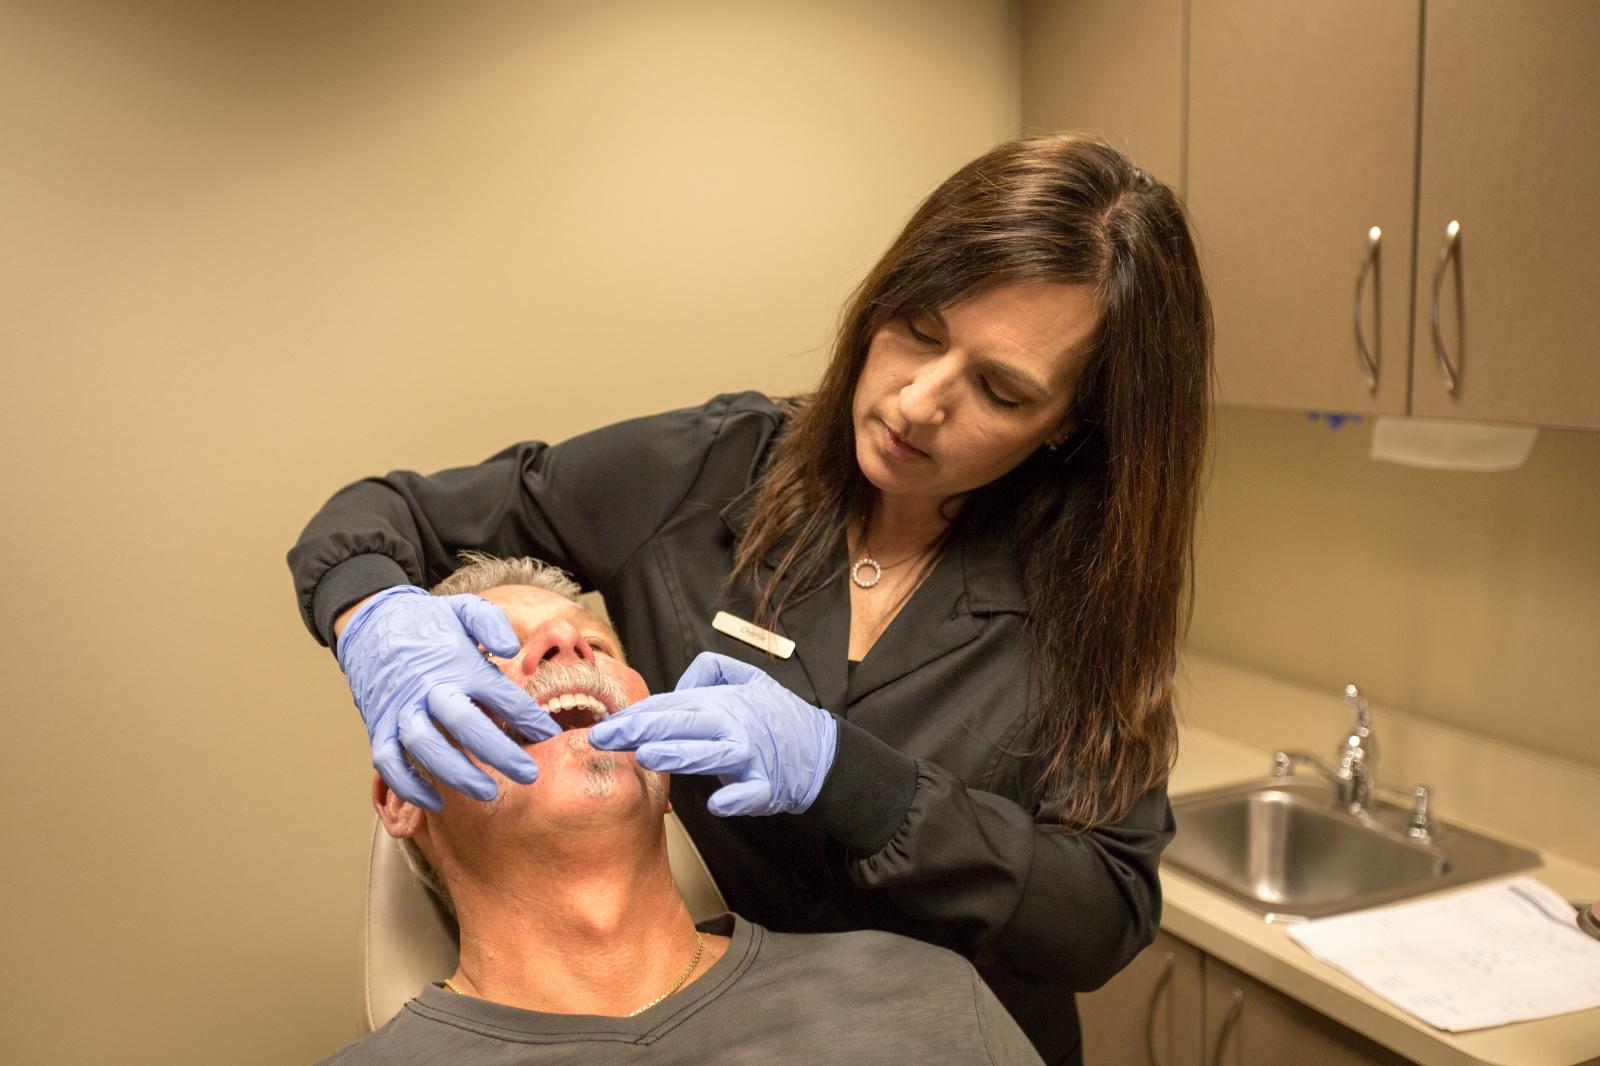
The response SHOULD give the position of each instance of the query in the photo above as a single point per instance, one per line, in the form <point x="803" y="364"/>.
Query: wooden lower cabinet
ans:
<point x="1175" y="1005"/>
<point x="1151" y="1012"/>
<point x="1248" y="1023"/>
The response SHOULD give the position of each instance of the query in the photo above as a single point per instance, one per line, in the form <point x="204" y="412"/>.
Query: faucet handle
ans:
<point x="1420" y="824"/>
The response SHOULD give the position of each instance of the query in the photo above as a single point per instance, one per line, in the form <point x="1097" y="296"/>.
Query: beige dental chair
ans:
<point x="409" y="940"/>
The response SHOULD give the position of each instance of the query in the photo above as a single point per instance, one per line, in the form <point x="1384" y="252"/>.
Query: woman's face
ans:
<point x="951" y="400"/>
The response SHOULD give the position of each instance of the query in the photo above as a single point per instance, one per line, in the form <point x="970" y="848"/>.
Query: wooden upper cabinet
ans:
<point x="1310" y="124"/>
<point x="1302" y="137"/>
<point x="1110" y="68"/>
<point x="1511" y="150"/>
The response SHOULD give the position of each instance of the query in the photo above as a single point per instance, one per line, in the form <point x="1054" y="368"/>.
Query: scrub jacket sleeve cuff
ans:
<point x="350" y="582"/>
<point x="867" y="793"/>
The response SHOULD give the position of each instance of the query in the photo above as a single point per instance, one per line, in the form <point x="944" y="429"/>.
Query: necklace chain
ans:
<point x="699" y="950"/>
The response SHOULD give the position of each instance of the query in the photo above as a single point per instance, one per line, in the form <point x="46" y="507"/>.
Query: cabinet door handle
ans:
<point x="1452" y="233"/>
<point x="1369" y="261"/>
<point x="1162" y="984"/>
<point x="1228" y="1023"/>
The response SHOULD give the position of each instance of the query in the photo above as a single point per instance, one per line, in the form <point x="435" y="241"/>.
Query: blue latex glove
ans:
<point x="412" y="660"/>
<point x="771" y="749"/>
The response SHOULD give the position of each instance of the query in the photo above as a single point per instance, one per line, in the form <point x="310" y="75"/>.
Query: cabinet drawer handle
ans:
<point x="1162" y="984"/>
<point x="1234" y="1010"/>
<point x="1369" y="261"/>
<point x="1452" y="233"/>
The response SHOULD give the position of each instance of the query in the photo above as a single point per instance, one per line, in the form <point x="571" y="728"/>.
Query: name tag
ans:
<point x="752" y="634"/>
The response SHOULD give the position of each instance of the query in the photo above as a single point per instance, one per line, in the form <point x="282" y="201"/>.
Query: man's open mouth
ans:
<point x="576" y="710"/>
<point x="571" y="710"/>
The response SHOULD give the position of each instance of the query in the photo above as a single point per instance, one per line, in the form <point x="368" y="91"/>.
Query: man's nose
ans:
<point x="925" y="398"/>
<point x="555" y="641"/>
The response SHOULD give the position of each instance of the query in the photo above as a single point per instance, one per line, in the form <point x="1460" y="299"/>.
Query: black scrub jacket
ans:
<point x="929" y="823"/>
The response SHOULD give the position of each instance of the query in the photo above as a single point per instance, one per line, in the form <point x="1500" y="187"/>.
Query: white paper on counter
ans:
<point x="1505" y="952"/>
<point x="1444" y="444"/>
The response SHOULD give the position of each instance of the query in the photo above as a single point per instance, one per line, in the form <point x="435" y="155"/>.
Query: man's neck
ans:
<point x="600" y="939"/>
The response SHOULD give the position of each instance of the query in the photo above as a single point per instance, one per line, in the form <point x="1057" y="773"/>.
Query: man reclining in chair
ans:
<point x="576" y="945"/>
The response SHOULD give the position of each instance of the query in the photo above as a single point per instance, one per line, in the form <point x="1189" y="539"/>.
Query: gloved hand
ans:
<point x="411" y="660"/>
<point x="771" y="749"/>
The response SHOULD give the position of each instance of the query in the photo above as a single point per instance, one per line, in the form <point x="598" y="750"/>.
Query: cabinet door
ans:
<point x="1248" y="1023"/>
<point x="1109" y="68"/>
<point x="1302" y="137"/>
<point x="1149" y="1014"/>
<point x="1511" y="150"/>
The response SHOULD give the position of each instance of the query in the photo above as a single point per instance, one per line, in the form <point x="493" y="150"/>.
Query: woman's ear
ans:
<point x="400" y="819"/>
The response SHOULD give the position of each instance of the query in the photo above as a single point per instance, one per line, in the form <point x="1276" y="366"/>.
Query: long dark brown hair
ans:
<point x="1104" y="528"/>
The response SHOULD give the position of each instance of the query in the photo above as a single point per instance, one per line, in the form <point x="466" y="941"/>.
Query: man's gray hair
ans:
<point x="478" y="574"/>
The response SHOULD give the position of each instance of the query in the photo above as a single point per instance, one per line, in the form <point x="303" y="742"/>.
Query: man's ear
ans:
<point x="400" y="819"/>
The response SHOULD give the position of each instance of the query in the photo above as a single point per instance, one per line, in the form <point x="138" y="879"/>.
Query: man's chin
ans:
<point x="568" y="757"/>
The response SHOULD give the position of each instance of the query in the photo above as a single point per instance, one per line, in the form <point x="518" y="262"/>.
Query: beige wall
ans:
<point x="251" y="256"/>
<point x="1472" y="599"/>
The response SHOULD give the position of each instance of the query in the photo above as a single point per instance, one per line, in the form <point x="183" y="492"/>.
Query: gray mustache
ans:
<point x="554" y="679"/>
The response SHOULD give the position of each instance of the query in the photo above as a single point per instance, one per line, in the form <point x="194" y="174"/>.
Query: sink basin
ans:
<point x="1285" y="848"/>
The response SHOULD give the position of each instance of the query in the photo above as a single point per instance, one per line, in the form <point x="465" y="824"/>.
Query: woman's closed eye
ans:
<point x="994" y="397"/>
<point x="919" y="336"/>
<point x="990" y="394"/>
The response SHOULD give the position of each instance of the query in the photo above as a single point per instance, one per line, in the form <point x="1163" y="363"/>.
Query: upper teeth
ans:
<point x="574" y="701"/>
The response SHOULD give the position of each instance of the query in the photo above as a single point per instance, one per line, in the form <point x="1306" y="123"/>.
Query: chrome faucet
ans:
<point x="1353" y="776"/>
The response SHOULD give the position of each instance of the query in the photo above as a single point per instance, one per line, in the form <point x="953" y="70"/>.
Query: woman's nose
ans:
<point x="555" y="641"/>
<point x="923" y="400"/>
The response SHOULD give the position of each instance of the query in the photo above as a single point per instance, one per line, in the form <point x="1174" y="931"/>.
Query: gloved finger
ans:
<point x="475" y="732"/>
<point x="671" y="716"/>
<point x="741" y="797"/>
<point x="389" y="759"/>
<point x="445" y="763"/>
<point x="710" y="668"/>
<point x="513" y="706"/>
<point x="695" y="756"/>
<point x="486" y="624"/>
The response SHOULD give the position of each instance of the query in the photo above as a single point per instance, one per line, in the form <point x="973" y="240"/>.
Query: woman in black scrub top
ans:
<point x="976" y="533"/>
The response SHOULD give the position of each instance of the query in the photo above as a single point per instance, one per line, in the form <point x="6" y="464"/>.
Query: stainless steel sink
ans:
<point x="1286" y="848"/>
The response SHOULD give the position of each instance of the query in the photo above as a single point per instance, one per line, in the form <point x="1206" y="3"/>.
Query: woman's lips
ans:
<point x="896" y="445"/>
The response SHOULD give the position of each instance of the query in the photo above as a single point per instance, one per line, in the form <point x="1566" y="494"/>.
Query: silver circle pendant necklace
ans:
<point x="867" y="562"/>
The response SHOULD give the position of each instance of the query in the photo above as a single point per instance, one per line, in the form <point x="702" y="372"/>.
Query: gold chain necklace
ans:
<point x="699" y="950"/>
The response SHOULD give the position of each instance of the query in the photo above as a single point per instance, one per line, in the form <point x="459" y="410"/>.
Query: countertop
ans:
<point x="1241" y="937"/>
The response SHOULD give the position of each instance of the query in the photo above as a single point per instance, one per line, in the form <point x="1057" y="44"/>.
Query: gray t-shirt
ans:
<point x="865" y="997"/>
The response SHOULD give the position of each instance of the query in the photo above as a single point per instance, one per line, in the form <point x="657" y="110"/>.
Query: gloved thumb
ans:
<point x="710" y="669"/>
<point x="741" y="797"/>
<point x="486" y="624"/>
